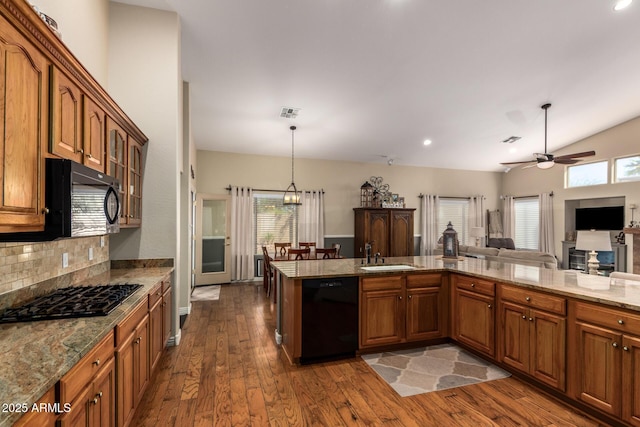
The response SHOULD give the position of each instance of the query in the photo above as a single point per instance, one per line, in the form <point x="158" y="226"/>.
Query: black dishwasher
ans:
<point x="329" y="318"/>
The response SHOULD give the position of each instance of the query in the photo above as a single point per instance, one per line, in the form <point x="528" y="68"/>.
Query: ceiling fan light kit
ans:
<point x="547" y="160"/>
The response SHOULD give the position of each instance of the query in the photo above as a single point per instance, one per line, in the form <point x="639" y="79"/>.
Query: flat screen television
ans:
<point x="601" y="218"/>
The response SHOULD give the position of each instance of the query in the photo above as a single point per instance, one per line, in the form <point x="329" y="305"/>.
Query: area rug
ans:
<point x="206" y="293"/>
<point x="426" y="369"/>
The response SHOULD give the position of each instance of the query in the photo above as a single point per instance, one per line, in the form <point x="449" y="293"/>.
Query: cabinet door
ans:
<point x="78" y="415"/>
<point x="126" y="371"/>
<point x="631" y="380"/>
<point x="599" y="368"/>
<point x="103" y="405"/>
<point x="381" y="317"/>
<point x="23" y="132"/>
<point x="475" y="321"/>
<point x="514" y="347"/>
<point x="548" y="348"/>
<point x="117" y="165"/>
<point x="94" y="135"/>
<point x="156" y="335"/>
<point x="423" y="313"/>
<point x="401" y="233"/>
<point x="141" y="358"/>
<point x="378" y="232"/>
<point x="66" y="117"/>
<point x="166" y="317"/>
<point x="135" y="183"/>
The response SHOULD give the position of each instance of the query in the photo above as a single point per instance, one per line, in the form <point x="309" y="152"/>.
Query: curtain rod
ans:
<point x="524" y="197"/>
<point x="451" y="197"/>
<point x="271" y="191"/>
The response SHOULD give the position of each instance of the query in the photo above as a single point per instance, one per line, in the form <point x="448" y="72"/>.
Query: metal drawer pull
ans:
<point x="524" y="317"/>
<point x="615" y="344"/>
<point x="620" y="322"/>
<point x="96" y="362"/>
<point x="528" y="298"/>
<point x="625" y="348"/>
<point x="473" y="285"/>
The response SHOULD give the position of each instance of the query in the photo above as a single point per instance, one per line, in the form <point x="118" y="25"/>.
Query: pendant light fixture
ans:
<point x="291" y="195"/>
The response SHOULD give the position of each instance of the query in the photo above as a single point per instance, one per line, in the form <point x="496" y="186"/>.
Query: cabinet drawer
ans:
<point x="166" y="285"/>
<point x="129" y="324"/>
<point x="423" y="280"/>
<point x="84" y="371"/>
<point x="155" y="295"/>
<point x="608" y="317"/>
<point x="379" y="283"/>
<point x="534" y="299"/>
<point x="473" y="284"/>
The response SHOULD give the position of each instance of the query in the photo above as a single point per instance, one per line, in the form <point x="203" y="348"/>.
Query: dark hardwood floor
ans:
<point x="228" y="371"/>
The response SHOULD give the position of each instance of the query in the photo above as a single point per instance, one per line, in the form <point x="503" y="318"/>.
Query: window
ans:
<point x="587" y="174"/>
<point x="527" y="218"/>
<point x="456" y="211"/>
<point x="274" y="222"/>
<point x="627" y="169"/>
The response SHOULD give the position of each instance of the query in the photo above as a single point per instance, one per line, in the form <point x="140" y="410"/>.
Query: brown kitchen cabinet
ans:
<point x="24" y="93"/>
<point x="94" y="125"/>
<point x="473" y="313"/>
<point x="166" y="312"/>
<point x="397" y="309"/>
<point x="607" y="365"/>
<point x="40" y="418"/>
<point x="89" y="388"/>
<point x="156" y="337"/>
<point x="66" y="117"/>
<point x="134" y="203"/>
<point x="132" y="358"/>
<point x="532" y="334"/>
<point x="388" y="230"/>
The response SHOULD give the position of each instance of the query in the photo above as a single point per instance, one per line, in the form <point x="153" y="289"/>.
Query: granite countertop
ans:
<point x="570" y="283"/>
<point x="35" y="355"/>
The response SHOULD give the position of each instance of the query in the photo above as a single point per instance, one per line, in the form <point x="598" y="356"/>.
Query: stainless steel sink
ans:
<point x="390" y="267"/>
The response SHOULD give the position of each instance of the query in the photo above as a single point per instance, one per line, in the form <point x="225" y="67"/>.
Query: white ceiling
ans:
<point x="375" y="78"/>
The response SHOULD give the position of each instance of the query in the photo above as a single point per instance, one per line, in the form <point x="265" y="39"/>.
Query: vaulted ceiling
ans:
<point x="374" y="78"/>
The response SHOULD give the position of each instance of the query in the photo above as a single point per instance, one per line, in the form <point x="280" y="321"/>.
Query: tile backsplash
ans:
<point x="24" y="264"/>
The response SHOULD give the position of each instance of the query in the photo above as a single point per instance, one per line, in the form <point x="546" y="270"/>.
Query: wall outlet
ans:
<point x="65" y="260"/>
<point x="102" y="241"/>
<point x="90" y="254"/>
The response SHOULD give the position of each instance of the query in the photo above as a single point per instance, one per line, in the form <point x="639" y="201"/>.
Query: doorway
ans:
<point x="213" y="258"/>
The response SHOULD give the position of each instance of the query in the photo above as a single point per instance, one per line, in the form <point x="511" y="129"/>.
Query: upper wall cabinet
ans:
<point x="51" y="107"/>
<point x="23" y="131"/>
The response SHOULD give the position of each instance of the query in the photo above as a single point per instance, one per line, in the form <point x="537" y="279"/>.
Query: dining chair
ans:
<point x="306" y="244"/>
<point x="326" y="253"/>
<point x="281" y="249"/>
<point x="337" y="247"/>
<point x="299" y="253"/>
<point x="267" y="271"/>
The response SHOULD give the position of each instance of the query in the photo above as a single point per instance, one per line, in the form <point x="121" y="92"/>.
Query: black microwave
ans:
<point x="79" y="201"/>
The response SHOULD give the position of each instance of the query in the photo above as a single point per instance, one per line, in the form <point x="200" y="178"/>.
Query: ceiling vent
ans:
<point x="289" y="113"/>
<point x="511" y="140"/>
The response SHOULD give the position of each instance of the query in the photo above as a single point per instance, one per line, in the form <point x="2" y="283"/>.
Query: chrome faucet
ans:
<point x="377" y="256"/>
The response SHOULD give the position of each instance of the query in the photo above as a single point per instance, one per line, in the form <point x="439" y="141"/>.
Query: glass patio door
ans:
<point x="213" y="239"/>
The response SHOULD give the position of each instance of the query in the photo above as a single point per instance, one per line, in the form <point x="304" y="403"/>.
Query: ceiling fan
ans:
<point x="546" y="160"/>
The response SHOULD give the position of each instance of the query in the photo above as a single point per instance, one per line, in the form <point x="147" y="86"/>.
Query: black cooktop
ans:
<point x="72" y="302"/>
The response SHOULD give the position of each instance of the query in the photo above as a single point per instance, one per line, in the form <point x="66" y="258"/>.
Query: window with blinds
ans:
<point x="527" y="218"/>
<point x="274" y="222"/>
<point x="456" y="211"/>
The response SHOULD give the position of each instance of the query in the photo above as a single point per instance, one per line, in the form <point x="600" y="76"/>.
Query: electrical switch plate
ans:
<point x="90" y="254"/>
<point x="65" y="260"/>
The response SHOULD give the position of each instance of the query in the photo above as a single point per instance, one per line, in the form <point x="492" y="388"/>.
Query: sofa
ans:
<point x="513" y="256"/>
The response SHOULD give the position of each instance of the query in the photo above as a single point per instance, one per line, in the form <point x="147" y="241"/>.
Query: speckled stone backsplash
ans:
<point x="24" y="264"/>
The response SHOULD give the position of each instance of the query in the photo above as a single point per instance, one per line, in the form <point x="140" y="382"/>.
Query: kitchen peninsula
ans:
<point x="529" y="320"/>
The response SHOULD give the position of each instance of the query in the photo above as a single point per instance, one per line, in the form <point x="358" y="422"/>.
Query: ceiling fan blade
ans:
<point x="518" y="163"/>
<point x="574" y="155"/>
<point x="567" y="161"/>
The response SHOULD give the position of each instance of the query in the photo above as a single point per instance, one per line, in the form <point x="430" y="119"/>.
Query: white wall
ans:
<point x="621" y="140"/>
<point x="84" y="25"/>
<point x="341" y="181"/>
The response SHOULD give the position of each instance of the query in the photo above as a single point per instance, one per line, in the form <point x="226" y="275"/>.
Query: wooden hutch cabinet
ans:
<point x="389" y="230"/>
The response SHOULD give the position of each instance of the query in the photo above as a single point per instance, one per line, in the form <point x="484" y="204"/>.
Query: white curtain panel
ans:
<point x="311" y="218"/>
<point x="509" y="219"/>
<point x="429" y="224"/>
<point x="546" y="223"/>
<point x="242" y="244"/>
<point x="476" y="215"/>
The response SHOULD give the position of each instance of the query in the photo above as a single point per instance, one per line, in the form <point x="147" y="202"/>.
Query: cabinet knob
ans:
<point x="81" y="151"/>
<point x="473" y="285"/>
<point x="399" y="297"/>
<point x="528" y="299"/>
<point x="524" y="317"/>
<point x="96" y="362"/>
<point x="530" y="319"/>
<point x="95" y="400"/>
<point x="488" y="305"/>
<point x="615" y="344"/>
<point x="45" y="210"/>
<point x="89" y="156"/>
<point x="99" y="394"/>
<point x="409" y="296"/>
<point x="620" y="322"/>
<point x="625" y="348"/>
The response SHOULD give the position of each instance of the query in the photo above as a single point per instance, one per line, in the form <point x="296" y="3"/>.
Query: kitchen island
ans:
<point x="532" y="321"/>
<point x="34" y="356"/>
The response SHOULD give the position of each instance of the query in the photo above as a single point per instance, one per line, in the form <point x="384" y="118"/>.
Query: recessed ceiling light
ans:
<point x="427" y="142"/>
<point x="622" y="4"/>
